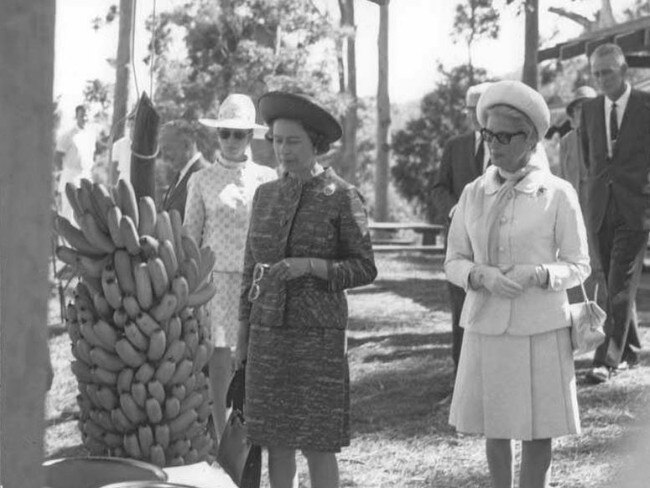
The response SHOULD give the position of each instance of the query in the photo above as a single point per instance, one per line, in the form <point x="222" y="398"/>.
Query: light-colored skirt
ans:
<point x="224" y="308"/>
<point x="516" y="387"/>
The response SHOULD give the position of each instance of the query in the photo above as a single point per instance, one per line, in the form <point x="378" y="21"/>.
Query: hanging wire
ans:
<point x="135" y="75"/>
<point x="153" y="51"/>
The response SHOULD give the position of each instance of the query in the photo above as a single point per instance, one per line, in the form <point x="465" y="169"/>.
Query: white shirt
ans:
<point x="121" y="153"/>
<point x="486" y="150"/>
<point x="78" y="148"/>
<point x="621" y="104"/>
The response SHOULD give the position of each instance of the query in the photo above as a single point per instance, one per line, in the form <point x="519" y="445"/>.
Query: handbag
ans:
<point x="240" y="459"/>
<point x="587" y="319"/>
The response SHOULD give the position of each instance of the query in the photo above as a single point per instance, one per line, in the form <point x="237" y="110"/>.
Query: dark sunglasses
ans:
<point x="237" y="134"/>
<point x="501" y="137"/>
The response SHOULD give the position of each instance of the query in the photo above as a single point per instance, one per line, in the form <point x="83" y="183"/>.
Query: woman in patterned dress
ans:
<point x="218" y="210"/>
<point x="308" y="242"/>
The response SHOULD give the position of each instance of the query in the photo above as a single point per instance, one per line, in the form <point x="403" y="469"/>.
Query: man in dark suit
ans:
<point x="178" y="150"/>
<point x="616" y="150"/>
<point x="464" y="159"/>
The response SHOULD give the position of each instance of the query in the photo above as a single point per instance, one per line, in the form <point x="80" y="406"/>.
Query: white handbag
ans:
<point x="587" y="319"/>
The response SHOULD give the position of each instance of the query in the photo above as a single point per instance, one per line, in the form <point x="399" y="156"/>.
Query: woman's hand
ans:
<point x="527" y="275"/>
<point x="290" y="268"/>
<point x="493" y="280"/>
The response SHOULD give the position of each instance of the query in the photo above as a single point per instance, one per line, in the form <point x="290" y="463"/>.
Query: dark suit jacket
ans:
<point x="176" y="195"/>
<point x="625" y="175"/>
<point x="457" y="168"/>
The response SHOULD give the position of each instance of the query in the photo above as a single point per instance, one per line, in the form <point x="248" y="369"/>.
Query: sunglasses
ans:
<point x="237" y="134"/>
<point x="258" y="274"/>
<point x="502" y="137"/>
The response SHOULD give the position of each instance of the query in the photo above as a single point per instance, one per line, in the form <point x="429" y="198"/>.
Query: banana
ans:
<point x="174" y="329"/>
<point x="177" y="231"/>
<point x="164" y="229"/>
<point x="84" y="196"/>
<point x="190" y="383"/>
<point x="201" y="380"/>
<point x="136" y="337"/>
<point x="168" y="256"/>
<point x="113" y="219"/>
<point x="192" y="456"/>
<point x="158" y="456"/>
<point x="201" y="358"/>
<point x="74" y="332"/>
<point x="179" y="391"/>
<point x="175" y="351"/>
<point x="71" y="193"/>
<point x="69" y="256"/>
<point x="111" y="287"/>
<point x="154" y="410"/>
<point x="202" y="295"/>
<point x="102" y="202"/>
<point x="182" y="372"/>
<point x="121" y="423"/>
<point x="88" y="333"/>
<point x="124" y="271"/>
<point x="84" y="314"/>
<point x="147" y="215"/>
<point x="177" y="461"/>
<point x="157" y="345"/>
<point x="145" y="373"/>
<point x="191" y="343"/>
<point x="103" y="418"/>
<point x="95" y="234"/>
<point x="179" y="425"/>
<point x="75" y="237"/>
<point x="82" y="349"/>
<point x="71" y="312"/>
<point x="104" y="376"/>
<point x="181" y="447"/>
<point x="165" y="371"/>
<point x="161" y="434"/>
<point x="181" y="290"/>
<point x="147" y="324"/>
<point x="95" y="284"/>
<point x="172" y="408"/>
<point x="149" y="246"/>
<point x="120" y="318"/>
<point x="156" y="390"/>
<point x="131" y="445"/>
<point x="190" y="248"/>
<point x="144" y="292"/>
<point x="93" y="430"/>
<point x="107" y="361"/>
<point x="130" y="304"/>
<point x="128" y="354"/>
<point x="93" y="267"/>
<point x="102" y="307"/>
<point x="208" y="259"/>
<point x="124" y="380"/>
<point x="165" y="308"/>
<point x="131" y="410"/>
<point x="193" y="401"/>
<point x="145" y="438"/>
<point x="106" y="334"/>
<point x="158" y="275"/>
<point x="107" y="398"/>
<point x="190" y="270"/>
<point x="186" y="314"/>
<point x="91" y="391"/>
<point x="204" y="411"/>
<point x="139" y="394"/>
<point x="195" y="429"/>
<point x="113" y="440"/>
<point x="200" y="441"/>
<point x="128" y="202"/>
<point x="129" y="233"/>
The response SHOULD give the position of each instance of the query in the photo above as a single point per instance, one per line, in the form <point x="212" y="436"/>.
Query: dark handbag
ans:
<point x="236" y="455"/>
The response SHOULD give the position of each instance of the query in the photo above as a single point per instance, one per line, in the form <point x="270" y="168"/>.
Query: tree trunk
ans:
<point x="532" y="43"/>
<point x="26" y="126"/>
<point x="383" y="120"/>
<point x="349" y="153"/>
<point x="122" y="72"/>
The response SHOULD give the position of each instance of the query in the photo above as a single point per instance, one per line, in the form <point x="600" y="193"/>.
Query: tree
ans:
<point x="348" y="88"/>
<point x="418" y="147"/>
<point x="603" y="18"/>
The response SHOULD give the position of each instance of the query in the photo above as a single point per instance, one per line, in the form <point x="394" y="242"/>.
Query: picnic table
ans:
<point x="390" y="236"/>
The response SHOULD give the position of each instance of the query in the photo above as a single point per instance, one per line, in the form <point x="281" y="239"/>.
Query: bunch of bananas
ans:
<point x="140" y="334"/>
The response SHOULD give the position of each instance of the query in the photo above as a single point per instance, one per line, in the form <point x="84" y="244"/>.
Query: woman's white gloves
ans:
<point x="509" y="283"/>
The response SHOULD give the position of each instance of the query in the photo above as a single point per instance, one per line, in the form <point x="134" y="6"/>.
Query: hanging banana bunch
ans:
<point x="140" y="335"/>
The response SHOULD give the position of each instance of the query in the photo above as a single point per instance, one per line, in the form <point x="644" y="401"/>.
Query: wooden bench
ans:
<point x="385" y="237"/>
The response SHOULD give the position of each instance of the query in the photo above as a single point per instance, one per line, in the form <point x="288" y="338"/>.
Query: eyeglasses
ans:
<point x="258" y="274"/>
<point x="237" y="134"/>
<point x="502" y="137"/>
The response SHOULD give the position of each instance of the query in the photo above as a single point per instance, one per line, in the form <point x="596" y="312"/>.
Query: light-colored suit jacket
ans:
<point x="541" y="224"/>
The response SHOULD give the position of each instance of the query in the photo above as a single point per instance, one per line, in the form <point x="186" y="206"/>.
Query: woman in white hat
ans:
<point x="517" y="241"/>
<point x="217" y="214"/>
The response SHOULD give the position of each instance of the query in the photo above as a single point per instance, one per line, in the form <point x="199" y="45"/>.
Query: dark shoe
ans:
<point x="599" y="374"/>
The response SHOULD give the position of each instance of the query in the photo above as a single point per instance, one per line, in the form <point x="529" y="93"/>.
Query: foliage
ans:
<point x="418" y="147"/>
<point x="474" y="20"/>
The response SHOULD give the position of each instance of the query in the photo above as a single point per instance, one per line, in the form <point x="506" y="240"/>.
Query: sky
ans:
<point x="419" y="36"/>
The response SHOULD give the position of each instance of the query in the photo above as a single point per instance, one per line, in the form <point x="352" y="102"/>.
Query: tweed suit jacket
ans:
<point x="323" y="217"/>
<point x="457" y="168"/>
<point x="624" y="175"/>
<point x="176" y="194"/>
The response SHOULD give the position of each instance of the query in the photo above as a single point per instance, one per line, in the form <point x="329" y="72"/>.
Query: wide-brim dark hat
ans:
<point x="282" y="105"/>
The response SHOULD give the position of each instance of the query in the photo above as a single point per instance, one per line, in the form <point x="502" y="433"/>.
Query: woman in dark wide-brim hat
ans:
<point x="308" y="241"/>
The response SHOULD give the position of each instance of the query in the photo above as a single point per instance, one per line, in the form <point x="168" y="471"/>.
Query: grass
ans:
<point x="401" y="369"/>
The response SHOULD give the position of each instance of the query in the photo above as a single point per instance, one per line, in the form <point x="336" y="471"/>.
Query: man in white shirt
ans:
<point x="121" y="153"/>
<point x="75" y="151"/>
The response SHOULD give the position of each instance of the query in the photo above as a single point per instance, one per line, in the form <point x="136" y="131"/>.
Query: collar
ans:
<point x="228" y="164"/>
<point x="188" y="165"/>
<point x="621" y="102"/>
<point x="530" y="183"/>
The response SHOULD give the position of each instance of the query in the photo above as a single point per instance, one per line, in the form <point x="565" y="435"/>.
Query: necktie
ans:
<point x="480" y="156"/>
<point x="613" y="124"/>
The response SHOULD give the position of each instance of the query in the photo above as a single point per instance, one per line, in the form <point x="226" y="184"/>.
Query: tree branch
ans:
<point x="579" y="19"/>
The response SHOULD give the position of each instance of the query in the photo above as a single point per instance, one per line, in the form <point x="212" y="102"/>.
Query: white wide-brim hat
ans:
<point x="237" y="111"/>
<point x="518" y="96"/>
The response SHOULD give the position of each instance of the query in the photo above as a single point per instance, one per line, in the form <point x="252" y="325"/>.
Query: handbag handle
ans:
<point x="582" y="286"/>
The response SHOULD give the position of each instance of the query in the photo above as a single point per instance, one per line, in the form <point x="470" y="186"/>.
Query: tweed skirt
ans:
<point x="297" y="388"/>
<point x="516" y="387"/>
<point x="224" y="308"/>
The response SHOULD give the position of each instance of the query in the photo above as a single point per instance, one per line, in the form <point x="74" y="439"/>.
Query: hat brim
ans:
<point x="230" y="124"/>
<point x="282" y="105"/>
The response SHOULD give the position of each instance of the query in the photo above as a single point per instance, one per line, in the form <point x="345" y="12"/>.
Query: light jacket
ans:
<point x="541" y="224"/>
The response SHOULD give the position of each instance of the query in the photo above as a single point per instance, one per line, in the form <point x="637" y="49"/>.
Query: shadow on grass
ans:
<point x="431" y="293"/>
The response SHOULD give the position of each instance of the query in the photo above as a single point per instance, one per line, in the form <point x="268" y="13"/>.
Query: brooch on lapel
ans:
<point x="328" y="191"/>
<point x="541" y="190"/>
